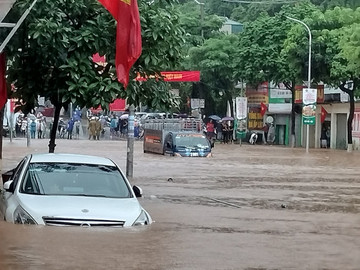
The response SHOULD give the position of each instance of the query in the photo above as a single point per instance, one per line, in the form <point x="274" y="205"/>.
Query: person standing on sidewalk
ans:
<point x="98" y="128"/>
<point x="113" y="125"/>
<point x="69" y="128"/>
<point x="77" y="129"/>
<point x="40" y="128"/>
<point x="92" y="128"/>
<point x="33" y="129"/>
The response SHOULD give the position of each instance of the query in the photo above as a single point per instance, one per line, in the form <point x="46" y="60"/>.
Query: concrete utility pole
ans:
<point x="309" y="72"/>
<point x="130" y="143"/>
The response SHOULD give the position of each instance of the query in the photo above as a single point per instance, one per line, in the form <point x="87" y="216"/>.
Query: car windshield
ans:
<point x="198" y="141"/>
<point x="74" y="180"/>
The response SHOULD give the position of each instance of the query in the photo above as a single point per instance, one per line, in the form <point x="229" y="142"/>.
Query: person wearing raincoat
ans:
<point x="92" y="128"/>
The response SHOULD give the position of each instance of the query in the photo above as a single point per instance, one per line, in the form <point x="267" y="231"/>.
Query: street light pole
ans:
<point x="309" y="72"/>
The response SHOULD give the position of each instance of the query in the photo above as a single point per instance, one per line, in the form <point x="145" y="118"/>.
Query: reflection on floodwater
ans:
<point x="248" y="207"/>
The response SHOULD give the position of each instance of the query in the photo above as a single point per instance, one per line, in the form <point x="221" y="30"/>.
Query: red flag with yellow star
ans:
<point x="128" y="35"/>
<point x="323" y="114"/>
<point x="263" y="109"/>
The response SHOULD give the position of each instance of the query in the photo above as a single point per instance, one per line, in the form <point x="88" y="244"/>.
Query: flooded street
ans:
<point x="248" y="207"/>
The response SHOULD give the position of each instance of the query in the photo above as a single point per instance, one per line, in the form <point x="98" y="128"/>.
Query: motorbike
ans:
<point x="253" y="138"/>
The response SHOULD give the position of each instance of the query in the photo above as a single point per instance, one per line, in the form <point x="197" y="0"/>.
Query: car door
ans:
<point x="168" y="144"/>
<point x="15" y="177"/>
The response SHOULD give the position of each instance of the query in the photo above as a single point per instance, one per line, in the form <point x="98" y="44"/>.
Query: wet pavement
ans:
<point x="248" y="207"/>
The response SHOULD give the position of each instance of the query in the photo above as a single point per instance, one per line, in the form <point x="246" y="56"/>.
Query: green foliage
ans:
<point x="56" y="43"/>
<point x="215" y="59"/>
<point x="194" y="25"/>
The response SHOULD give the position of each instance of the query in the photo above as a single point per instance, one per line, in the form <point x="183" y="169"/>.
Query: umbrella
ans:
<point x="124" y="116"/>
<point x="214" y="117"/>
<point x="227" y="118"/>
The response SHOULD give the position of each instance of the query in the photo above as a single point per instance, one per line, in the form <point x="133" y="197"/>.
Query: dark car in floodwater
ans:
<point x="187" y="144"/>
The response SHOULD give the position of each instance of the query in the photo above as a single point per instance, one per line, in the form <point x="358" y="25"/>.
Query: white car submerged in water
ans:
<point x="70" y="190"/>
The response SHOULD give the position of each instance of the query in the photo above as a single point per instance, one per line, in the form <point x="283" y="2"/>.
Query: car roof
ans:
<point x="189" y="133"/>
<point x="71" y="158"/>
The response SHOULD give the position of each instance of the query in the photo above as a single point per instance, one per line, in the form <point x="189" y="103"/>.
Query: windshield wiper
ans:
<point x="181" y="146"/>
<point x="86" y="195"/>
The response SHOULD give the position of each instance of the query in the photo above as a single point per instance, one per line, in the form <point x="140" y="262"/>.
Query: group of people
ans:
<point x="118" y="126"/>
<point x="222" y="130"/>
<point x="35" y="124"/>
<point x="69" y="128"/>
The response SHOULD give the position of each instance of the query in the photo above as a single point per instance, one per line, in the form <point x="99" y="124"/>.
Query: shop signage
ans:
<point x="175" y="76"/>
<point x="299" y="94"/>
<point x="309" y="106"/>
<point x="197" y="103"/>
<point x="241" y="108"/>
<point x="257" y="95"/>
<point x="280" y="108"/>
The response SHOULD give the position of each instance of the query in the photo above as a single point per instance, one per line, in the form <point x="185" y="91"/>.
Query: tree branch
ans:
<point x="343" y="88"/>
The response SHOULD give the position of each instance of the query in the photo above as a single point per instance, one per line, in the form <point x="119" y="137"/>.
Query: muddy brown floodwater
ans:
<point x="248" y="207"/>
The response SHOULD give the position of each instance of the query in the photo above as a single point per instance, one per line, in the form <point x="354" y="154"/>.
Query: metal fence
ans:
<point x="175" y="125"/>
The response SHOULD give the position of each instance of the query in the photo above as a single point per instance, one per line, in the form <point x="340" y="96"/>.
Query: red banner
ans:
<point x="176" y="76"/>
<point x="118" y="105"/>
<point x="181" y="76"/>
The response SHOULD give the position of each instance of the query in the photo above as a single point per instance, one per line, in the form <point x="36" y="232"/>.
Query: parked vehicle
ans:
<point x="148" y="116"/>
<point x="187" y="144"/>
<point x="70" y="190"/>
<point x="177" y="137"/>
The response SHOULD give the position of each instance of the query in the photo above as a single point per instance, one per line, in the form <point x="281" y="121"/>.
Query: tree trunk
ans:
<point x="293" y="137"/>
<point x="351" y="113"/>
<point x="291" y="87"/>
<point x="350" y="120"/>
<point x="53" y="131"/>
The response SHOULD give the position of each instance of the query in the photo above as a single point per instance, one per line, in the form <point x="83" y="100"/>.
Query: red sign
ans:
<point x="257" y="94"/>
<point x="176" y="76"/>
<point x="181" y="76"/>
<point x="118" y="105"/>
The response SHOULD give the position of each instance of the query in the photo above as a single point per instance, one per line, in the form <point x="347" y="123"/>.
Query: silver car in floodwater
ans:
<point x="70" y="190"/>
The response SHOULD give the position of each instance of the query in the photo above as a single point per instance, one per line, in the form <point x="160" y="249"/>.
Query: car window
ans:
<point x="191" y="141"/>
<point x="75" y="179"/>
<point x="17" y="172"/>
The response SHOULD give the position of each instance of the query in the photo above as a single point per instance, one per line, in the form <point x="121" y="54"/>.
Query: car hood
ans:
<point x="81" y="208"/>
<point x="193" y="151"/>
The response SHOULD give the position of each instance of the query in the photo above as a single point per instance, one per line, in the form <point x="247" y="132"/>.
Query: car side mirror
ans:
<point x="9" y="186"/>
<point x="7" y="175"/>
<point x="138" y="191"/>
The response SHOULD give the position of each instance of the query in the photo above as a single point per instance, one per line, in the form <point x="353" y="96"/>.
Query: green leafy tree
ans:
<point x="195" y="25"/>
<point x="215" y="59"/>
<point x="51" y="55"/>
<point x="261" y="58"/>
<point x="329" y="4"/>
<point x="335" y="39"/>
